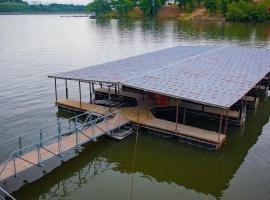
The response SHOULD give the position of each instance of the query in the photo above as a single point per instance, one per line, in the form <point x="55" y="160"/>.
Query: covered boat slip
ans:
<point x="221" y="81"/>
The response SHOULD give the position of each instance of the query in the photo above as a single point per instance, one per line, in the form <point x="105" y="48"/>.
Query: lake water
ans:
<point x="31" y="47"/>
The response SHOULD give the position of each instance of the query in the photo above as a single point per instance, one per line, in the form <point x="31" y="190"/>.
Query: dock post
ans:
<point x="176" y="117"/>
<point x="76" y="131"/>
<point x="40" y="137"/>
<point x="55" y="89"/>
<point x="69" y="126"/>
<point x="66" y="89"/>
<point x="80" y="93"/>
<point x="59" y="138"/>
<point x="90" y="93"/>
<point x="226" y="122"/>
<point x="220" y="124"/>
<point x="115" y="90"/>
<point x="184" y="116"/>
<point x="38" y="154"/>
<point x="20" y="145"/>
<point x="14" y="166"/>
<point x="109" y="88"/>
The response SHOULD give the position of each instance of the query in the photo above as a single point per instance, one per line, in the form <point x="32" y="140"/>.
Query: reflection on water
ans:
<point x="160" y="162"/>
<point x="34" y="46"/>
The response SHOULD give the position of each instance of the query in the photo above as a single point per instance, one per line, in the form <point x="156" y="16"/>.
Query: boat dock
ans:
<point x="158" y="91"/>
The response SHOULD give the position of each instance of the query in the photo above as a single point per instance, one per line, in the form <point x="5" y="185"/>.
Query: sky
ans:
<point x="79" y="2"/>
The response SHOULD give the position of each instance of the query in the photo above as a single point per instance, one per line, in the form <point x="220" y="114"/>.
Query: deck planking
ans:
<point x="146" y="118"/>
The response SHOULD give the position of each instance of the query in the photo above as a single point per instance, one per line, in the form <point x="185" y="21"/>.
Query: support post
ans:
<point x="115" y="90"/>
<point x="77" y="137"/>
<point x="66" y="89"/>
<point x="40" y="137"/>
<point x="220" y="124"/>
<point x="176" y="117"/>
<point x="55" y="89"/>
<point x="14" y="166"/>
<point x="184" y="116"/>
<point x="226" y="122"/>
<point x="80" y="93"/>
<point x="38" y="154"/>
<point x="90" y="93"/>
<point x="59" y="138"/>
<point x="109" y="88"/>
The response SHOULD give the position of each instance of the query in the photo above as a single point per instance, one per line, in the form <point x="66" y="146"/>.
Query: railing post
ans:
<point x="38" y="154"/>
<point x="76" y="129"/>
<point x="69" y="125"/>
<point x="20" y="145"/>
<point x="40" y="137"/>
<point x="14" y="165"/>
<point x="59" y="137"/>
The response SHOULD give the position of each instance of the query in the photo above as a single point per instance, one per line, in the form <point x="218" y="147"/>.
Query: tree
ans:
<point x="224" y="7"/>
<point x="211" y="6"/>
<point x="100" y="7"/>
<point x="145" y="5"/>
<point x="123" y="6"/>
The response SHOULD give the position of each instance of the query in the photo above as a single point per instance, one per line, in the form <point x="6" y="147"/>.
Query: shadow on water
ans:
<point x="163" y="160"/>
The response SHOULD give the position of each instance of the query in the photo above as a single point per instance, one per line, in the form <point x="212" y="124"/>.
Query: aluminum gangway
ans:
<point x="33" y="148"/>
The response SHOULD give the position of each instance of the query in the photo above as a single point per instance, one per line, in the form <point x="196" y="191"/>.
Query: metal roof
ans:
<point x="124" y="69"/>
<point x="208" y="74"/>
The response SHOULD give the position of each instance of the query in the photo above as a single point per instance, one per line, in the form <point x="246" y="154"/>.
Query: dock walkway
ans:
<point x="60" y="143"/>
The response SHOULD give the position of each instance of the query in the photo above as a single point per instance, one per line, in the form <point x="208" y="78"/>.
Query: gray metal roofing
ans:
<point x="208" y="74"/>
<point x="121" y="70"/>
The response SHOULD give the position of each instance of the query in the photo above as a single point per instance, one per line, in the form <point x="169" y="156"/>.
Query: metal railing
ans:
<point x="5" y="195"/>
<point x="42" y="138"/>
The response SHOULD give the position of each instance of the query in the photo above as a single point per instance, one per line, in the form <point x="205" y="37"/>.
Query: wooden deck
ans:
<point x="67" y="142"/>
<point x="147" y="119"/>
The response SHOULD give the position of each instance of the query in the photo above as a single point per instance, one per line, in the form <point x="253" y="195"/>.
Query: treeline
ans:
<point x="18" y="6"/>
<point x="234" y="10"/>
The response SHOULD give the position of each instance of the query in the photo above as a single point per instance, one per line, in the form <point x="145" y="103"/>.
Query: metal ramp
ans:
<point x="54" y="140"/>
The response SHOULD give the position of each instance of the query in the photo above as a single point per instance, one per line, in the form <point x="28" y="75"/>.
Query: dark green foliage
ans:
<point x="123" y="6"/>
<point x="100" y="7"/>
<point x="211" y="6"/>
<point x="247" y="11"/>
<point x="224" y="7"/>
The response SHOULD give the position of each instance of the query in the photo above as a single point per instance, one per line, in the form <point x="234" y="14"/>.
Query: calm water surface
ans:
<point x="31" y="47"/>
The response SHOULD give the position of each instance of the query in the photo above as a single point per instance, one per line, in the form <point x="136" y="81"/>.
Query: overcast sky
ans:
<point x="80" y="2"/>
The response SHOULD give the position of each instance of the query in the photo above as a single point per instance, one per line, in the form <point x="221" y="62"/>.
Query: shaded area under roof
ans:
<point x="209" y="74"/>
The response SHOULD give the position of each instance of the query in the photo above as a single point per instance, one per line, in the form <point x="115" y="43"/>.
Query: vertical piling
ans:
<point x="66" y="88"/>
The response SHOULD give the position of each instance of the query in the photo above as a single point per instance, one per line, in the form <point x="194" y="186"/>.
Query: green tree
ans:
<point x="100" y="7"/>
<point x="224" y="7"/>
<point x="211" y="6"/>
<point x="123" y="6"/>
<point x="145" y="6"/>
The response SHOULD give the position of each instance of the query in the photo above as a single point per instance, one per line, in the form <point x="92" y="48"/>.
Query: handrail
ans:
<point x="74" y="130"/>
<point x="6" y="194"/>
